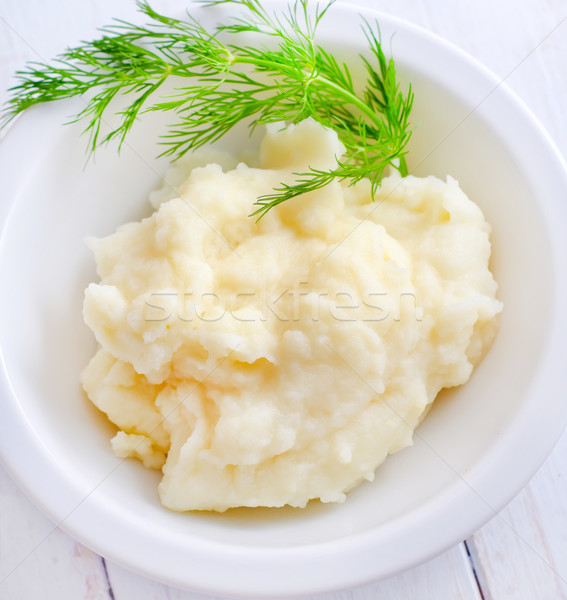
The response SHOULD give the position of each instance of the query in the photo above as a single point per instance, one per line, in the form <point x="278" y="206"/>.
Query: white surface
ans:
<point x="520" y="553"/>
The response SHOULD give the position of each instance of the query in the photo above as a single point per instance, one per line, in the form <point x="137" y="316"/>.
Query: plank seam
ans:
<point x="483" y="596"/>
<point x="110" y="590"/>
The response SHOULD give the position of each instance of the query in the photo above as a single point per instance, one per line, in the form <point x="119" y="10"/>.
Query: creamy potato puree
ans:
<point x="270" y="363"/>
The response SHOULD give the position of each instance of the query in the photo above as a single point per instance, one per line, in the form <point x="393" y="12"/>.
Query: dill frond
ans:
<point x="288" y="78"/>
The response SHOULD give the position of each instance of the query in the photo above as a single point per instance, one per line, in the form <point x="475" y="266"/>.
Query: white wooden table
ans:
<point x="522" y="553"/>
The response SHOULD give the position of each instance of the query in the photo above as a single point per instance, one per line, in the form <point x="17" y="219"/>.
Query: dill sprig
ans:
<point x="284" y="76"/>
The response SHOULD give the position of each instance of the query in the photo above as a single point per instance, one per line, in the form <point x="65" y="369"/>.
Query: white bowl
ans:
<point x="477" y="447"/>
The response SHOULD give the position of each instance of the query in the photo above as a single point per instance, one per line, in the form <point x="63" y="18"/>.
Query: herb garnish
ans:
<point x="289" y="79"/>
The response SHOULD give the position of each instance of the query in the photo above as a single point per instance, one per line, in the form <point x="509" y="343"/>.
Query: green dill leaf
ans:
<point x="284" y="76"/>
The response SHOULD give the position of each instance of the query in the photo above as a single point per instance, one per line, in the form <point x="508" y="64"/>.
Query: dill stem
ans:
<point x="311" y="76"/>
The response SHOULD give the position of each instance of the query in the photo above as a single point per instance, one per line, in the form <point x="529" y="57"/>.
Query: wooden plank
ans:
<point x="522" y="553"/>
<point x="38" y="560"/>
<point x="447" y="577"/>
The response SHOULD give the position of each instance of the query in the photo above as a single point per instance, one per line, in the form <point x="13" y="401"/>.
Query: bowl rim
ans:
<point x="409" y="537"/>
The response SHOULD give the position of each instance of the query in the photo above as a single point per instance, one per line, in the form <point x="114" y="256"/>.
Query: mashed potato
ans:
<point x="270" y="363"/>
